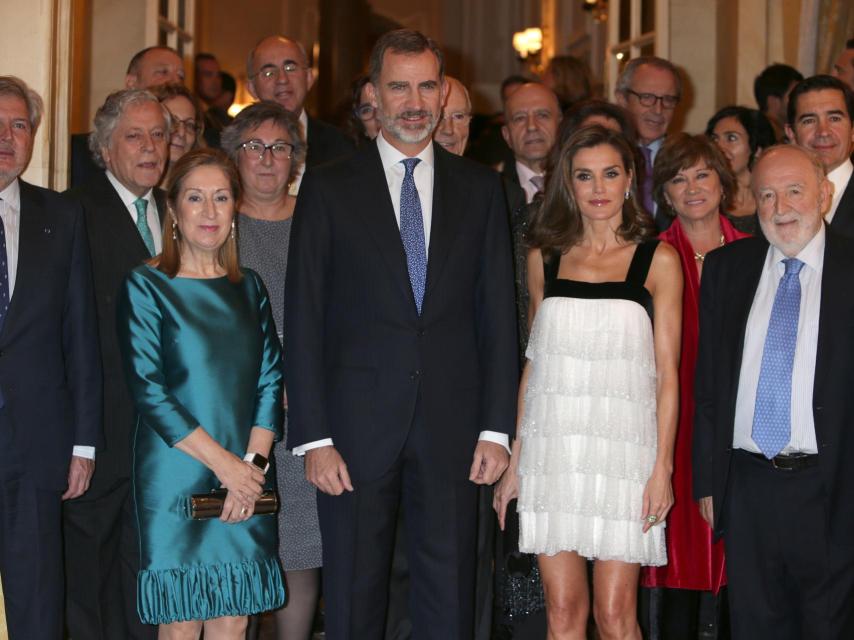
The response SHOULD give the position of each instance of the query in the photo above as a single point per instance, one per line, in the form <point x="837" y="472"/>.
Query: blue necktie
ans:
<point x="772" y="415"/>
<point x="4" y="284"/>
<point x="412" y="232"/>
<point x="141" y="205"/>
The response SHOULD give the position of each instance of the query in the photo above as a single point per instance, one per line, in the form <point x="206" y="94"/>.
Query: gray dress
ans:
<point x="263" y="247"/>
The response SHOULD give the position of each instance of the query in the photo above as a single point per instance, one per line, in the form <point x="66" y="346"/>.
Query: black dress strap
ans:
<point x="639" y="266"/>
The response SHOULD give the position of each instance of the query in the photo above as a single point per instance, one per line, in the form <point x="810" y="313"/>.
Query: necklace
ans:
<point x="700" y="257"/>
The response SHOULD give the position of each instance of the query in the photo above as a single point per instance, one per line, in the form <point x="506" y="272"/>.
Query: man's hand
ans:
<point x="325" y="469"/>
<point x="490" y="461"/>
<point x="79" y="475"/>
<point x="707" y="510"/>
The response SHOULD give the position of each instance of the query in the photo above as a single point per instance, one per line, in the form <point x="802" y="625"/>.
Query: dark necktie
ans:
<point x="772" y="414"/>
<point x="646" y="185"/>
<point x="4" y="281"/>
<point x="412" y="232"/>
<point x="141" y="205"/>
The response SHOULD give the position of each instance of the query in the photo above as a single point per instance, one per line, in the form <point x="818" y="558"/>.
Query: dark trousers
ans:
<point x="787" y="579"/>
<point x="30" y="546"/>
<point x="101" y="564"/>
<point x="358" y="531"/>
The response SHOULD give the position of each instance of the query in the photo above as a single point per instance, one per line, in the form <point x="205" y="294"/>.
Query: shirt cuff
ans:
<point x="497" y="437"/>
<point x="308" y="446"/>
<point x="83" y="452"/>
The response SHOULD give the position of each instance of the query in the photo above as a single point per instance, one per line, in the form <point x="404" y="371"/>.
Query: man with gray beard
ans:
<point x="401" y="367"/>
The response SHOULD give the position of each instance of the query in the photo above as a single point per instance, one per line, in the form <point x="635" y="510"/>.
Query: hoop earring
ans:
<point x="174" y="230"/>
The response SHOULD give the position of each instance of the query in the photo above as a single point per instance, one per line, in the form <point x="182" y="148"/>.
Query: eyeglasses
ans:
<point x="190" y="125"/>
<point x="272" y="71"/>
<point x="457" y="117"/>
<point x="365" y="112"/>
<point x="257" y="149"/>
<point x="649" y="99"/>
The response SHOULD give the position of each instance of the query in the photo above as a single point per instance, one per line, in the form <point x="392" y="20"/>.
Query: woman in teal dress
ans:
<point x="203" y="363"/>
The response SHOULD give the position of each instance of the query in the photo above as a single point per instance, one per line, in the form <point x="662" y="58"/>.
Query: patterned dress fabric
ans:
<point x="589" y="428"/>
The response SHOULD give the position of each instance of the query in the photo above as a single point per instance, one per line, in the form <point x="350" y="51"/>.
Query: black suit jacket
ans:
<point x="325" y="143"/>
<point x="50" y="373"/>
<point x="843" y="219"/>
<point x="115" y="247"/>
<point x="82" y="167"/>
<point x="513" y="191"/>
<point x="730" y="277"/>
<point x="359" y="357"/>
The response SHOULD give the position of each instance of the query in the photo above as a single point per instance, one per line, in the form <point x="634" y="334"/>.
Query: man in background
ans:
<point x="771" y="89"/>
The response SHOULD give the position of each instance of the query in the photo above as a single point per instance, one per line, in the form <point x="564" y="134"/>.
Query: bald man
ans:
<point x="278" y="71"/>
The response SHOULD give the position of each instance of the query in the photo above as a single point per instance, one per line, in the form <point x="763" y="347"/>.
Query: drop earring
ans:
<point x="232" y="229"/>
<point x="174" y="230"/>
<point x="627" y="194"/>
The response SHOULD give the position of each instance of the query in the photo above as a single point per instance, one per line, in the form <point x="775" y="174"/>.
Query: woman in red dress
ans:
<point x="692" y="180"/>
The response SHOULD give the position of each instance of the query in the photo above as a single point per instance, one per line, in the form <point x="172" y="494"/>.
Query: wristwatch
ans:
<point x="258" y="460"/>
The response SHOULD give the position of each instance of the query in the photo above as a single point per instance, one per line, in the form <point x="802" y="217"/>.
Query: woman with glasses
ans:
<point x="362" y="124"/>
<point x="187" y="121"/>
<point x="266" y="143"/>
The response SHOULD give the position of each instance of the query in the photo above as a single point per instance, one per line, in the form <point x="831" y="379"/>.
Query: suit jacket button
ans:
<point x="414" y="374"/>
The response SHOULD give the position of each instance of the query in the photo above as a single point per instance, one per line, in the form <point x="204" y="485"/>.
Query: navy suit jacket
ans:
<point x="50" y="370"/>
<point x="843" y="219"/>
<point x="730" y="277"/>
<point x="359" y="358"/>
<point x="325" y="143"/>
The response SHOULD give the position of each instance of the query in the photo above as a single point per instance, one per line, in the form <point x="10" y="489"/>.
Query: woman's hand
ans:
<point x="235" y="511"/>
<point x="506" y="490"/>
<point x="657" y="498"/>
<point x="244" y="480"/>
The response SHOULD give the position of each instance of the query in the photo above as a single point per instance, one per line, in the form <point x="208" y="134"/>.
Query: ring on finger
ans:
<point x="652" y="518"/>
<point x="243" y="511"/>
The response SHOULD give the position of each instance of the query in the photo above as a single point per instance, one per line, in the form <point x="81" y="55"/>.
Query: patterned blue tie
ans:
<point x="141" y="205"/>
<point x="412" y="232"/>
<point x="772" y="415"/>
<point x="4" y="283"/>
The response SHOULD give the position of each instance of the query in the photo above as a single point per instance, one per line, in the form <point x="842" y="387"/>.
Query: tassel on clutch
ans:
<point x="202" y="506"/>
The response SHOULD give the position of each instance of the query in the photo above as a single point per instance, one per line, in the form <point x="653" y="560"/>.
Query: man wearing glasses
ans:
<point x="453" y="130"/>
<point x="278" y="71"/>
<point x="649" y="88"/>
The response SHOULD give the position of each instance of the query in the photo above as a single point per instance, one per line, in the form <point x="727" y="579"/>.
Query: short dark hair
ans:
<point x="681" y="151"/>
<point x="133" y="65"/>
<point x="557" y="224"/>
<point x="406" y="41"/>
<point x="760" y="132"/>
<point x="516" y="78"/>
<point x="204" y="56"/>
<point x="774" y="80"/>
<point x="819" y="83"/>
<point x="228" y="82"/>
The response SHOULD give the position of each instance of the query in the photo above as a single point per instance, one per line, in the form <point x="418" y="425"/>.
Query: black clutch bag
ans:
<point x="202" y="506"/>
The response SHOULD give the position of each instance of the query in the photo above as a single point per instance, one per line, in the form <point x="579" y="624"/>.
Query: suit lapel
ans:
<point x="843" y="219"/>
<point x="448" y="205"/>
<point x="117" y="219"/>
<point x="378" y="214"/>
<point x="835" y="277"/>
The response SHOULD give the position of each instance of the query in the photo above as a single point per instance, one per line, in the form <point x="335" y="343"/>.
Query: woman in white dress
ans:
<point x="598" y="400"/>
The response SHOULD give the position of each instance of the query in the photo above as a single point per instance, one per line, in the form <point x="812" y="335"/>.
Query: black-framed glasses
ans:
<point x="649" y="99"/>
<point x="365" y="112"/>
<point x="272" y="71"/>
<point x="257" y="149"/>
<point x="457" y="117"/>
<point x="190" y="125"/>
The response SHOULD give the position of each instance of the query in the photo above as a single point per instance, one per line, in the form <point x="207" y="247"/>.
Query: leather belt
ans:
<point x="790" y="462"/>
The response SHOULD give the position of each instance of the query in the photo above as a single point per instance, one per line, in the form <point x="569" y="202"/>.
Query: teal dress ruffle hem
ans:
<point x="199" y="352"/>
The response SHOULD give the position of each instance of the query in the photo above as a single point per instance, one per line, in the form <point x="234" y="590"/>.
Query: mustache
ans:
<point x="419" y="113"/>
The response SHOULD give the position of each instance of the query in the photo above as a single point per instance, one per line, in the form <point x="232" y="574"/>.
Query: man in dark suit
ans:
<point x="773" y="442"/>
<point x="821" y="118"/>
<point x="123" y="216"/>
<point x="50" y="374"/>
<point x="402" y="367"/>
<point x="150" y="67"/>
<point x="278" y="71"/>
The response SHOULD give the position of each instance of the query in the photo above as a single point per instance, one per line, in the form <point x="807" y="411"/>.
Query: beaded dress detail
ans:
<point x="589" y="428"/>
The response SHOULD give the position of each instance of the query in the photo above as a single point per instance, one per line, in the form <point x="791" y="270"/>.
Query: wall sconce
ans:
<point x="528" y="43"/>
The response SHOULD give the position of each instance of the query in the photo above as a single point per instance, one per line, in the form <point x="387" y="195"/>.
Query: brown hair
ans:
<point x="557" y="224"/>
<point x="681" y="151"/>
<point x="169" y="261"/>
<point x="406" y="41"/>
<point x="164" y="92"/>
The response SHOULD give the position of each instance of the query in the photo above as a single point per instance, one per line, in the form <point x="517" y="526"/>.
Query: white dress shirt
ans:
<point x="151" y="213"/>
<point x="423" y="175"/>
<point x="294" y="188"/>
<point x="525" y="174"/>
<point x="802" y="438"/>
<point x="10" y="216"/>
<point x="840" y="177"/>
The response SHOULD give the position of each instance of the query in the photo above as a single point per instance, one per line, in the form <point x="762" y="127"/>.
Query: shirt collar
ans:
<point x="11" y="195"/>
<point x="812" y="255"/>
<point x="124" y="193"/>
<point x="525" y="173"/>
<point x="303" y="120"/>
<point x="655" y="145"/>
<point x="390" y="156"/>
<point x="840" y="177"/>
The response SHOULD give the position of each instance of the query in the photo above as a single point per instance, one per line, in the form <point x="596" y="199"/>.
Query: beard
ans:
<point x="396" y="125"/>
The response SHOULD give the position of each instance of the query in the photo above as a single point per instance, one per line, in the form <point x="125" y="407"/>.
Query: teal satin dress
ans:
<point x="199" y="352"/>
